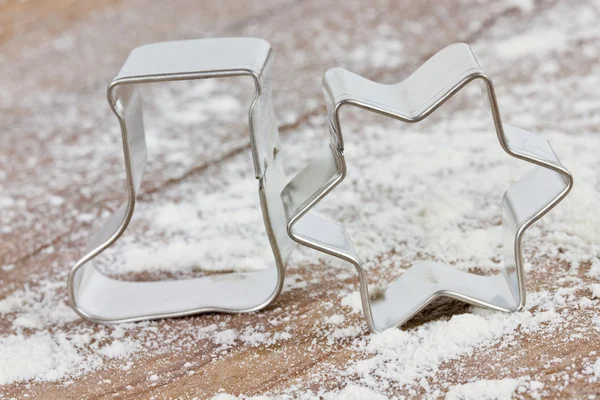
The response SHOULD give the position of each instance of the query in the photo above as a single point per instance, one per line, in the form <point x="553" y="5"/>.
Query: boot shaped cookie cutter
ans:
<point x="99" y="298"/>
<point x="412" y="100"/>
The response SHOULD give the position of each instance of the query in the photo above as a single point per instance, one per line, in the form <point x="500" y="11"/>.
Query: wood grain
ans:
<point x="60" y="140"/>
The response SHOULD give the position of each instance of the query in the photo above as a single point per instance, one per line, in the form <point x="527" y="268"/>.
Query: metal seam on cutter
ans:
<point x="99" y="298"/>
<point x="412" y="100"/>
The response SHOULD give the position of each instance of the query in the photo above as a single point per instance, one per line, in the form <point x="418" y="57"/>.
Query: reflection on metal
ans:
<point x="410" y="101"/>
<point x="101" y="299"/>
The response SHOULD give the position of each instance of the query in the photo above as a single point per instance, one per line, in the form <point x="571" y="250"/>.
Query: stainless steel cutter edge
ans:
<point x="104" y="300"/>
<point x="412" y="100"/>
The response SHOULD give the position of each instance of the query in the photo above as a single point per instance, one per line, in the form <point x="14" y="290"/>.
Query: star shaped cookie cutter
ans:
<point x="412" y="100"/>
<point x="101" y="299"/>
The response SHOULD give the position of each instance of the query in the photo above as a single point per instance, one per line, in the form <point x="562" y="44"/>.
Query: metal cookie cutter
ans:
<point x="412" y="100"/>
<point x="101" y="299"/>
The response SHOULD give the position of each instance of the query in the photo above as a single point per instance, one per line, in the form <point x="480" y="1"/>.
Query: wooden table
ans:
<point x="61" y="172"/>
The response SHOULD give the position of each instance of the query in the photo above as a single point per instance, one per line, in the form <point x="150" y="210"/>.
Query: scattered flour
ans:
<point x="8" y="267"/>
<point x="355" y="392"/>
<point x="43" y="357"/>
<point x="347" y="332"/>
<point x="294" y="281"/>
<point x="594" y="371"/>
<point x="524" y="5"/>
<point x="224" y="396"/>
<point x="118" y="349"/>
<point x="595" y="288"/>
<point x="350" y="392"/>
<point x="227" y="337"/>
<point x="432" y="202"/>
<point x="405" y="358"/>
<point x="493" y="389"/>
<point x="532" y="42"/>
<point x="353" y="301"/>
<point x="336" y="319"/>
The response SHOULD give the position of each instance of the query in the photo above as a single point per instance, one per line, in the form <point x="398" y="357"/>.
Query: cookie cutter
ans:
<point x="101" y="299"/>
<point x="412" y="100"/>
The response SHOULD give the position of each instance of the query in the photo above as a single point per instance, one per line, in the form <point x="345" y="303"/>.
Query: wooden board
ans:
<point x="61" y="173"/>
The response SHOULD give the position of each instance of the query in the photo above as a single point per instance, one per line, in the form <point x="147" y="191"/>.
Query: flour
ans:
<point x="493" y="389"/>
<point x="353" y="301"/>
<point x="43" y="357"/>
<point x="226" y="337"/>
<point x="593" y="370"/>
<point x="411" y="356"/>
<point x="348" y="332"/>
<point x="413" y="192"/>
<point x="336" y="319"/>
<point x="595" y="289"/>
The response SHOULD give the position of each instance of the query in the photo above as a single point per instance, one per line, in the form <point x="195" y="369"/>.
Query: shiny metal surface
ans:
<point x="410" y="101"/>
<point x="101" y="299"/>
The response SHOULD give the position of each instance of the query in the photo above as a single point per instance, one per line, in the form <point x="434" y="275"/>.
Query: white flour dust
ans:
<point x="428" y="191"/>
